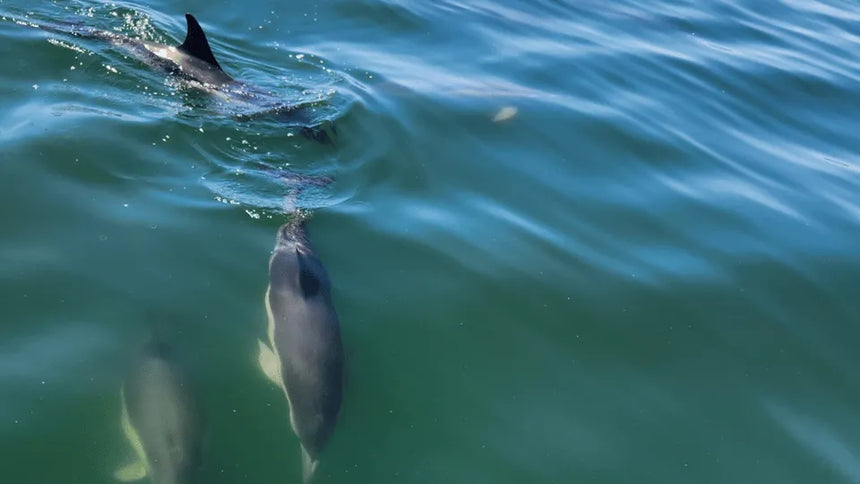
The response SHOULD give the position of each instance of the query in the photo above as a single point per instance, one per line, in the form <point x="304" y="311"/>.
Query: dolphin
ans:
<point x="193" y="62"/>
<point x="304" y="354"/>
<point x="161" y="419"/>
<point x="193" y="59"/>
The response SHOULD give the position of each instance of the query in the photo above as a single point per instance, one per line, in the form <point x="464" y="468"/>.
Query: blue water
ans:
<point x="568" y="241"/>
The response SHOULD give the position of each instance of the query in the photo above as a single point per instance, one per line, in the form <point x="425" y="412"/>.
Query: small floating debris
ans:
<point x="506" y="113"/>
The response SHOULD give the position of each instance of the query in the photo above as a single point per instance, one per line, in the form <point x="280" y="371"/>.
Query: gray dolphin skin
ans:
<point x="161" y="420"/>
<point x="193" y="62"/>
<point x="192" y="59"/>
<point x="305" y="354"/>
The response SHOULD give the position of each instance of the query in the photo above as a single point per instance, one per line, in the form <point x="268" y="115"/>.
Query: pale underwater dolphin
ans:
<point x="305" y="353"/>
<point x="161" y="419"/>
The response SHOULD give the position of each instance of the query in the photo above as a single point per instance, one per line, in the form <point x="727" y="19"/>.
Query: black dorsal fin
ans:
<point x="196" y="44"/>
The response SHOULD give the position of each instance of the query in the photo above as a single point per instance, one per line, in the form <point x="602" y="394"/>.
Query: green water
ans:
<point x="650" y="273"/>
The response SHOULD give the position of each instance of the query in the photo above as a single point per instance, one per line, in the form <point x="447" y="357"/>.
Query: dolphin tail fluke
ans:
<point x="319" y="133"/>
<point x="309" y="466"/>
<point x="195" y="43"/>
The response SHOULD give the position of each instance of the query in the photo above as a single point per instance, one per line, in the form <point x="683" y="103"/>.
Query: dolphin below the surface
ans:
<point x="304" y="355"/>
<point x="161" y="420"/>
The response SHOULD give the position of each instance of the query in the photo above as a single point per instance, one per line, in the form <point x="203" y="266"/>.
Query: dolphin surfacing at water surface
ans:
<point x="193" y="62"/>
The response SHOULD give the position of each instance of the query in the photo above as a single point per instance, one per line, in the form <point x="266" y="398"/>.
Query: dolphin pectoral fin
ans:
<point x="196" y="44"/>
<point x="309" y="466"/>
<point x="132" y="472"/>
<point x="137" y="469"/>
<point x="270" y="364"/>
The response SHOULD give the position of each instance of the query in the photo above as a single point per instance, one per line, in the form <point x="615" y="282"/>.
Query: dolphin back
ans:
<point x="305" y="334"/>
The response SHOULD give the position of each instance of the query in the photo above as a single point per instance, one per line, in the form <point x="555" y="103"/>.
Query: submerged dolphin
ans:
<point x="160" y="419"/>
<point x="305" y="354"/>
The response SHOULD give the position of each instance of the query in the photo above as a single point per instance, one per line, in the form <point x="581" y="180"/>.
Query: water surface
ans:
<point x="648" y="271"/>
